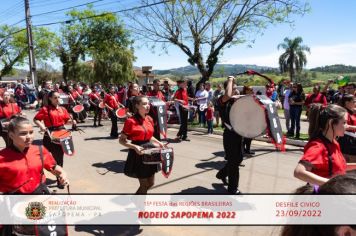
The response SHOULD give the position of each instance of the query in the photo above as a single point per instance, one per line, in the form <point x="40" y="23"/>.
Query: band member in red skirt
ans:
<point x="322" y="157"/>
<point x="139" y="129"/>
<point x="54" y="117"/>
<point x="21" y="168"/>
<point x="7" y="110"/>
<point x="112" y="103"/>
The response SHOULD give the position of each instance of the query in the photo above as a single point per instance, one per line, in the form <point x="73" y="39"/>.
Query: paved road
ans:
<point x="99" y="162"/>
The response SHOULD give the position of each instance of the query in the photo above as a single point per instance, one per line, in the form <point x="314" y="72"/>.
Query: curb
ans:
<point x="292" y="142"/>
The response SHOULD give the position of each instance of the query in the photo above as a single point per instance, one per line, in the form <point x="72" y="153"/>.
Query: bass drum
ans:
<point x="248" y="117"/>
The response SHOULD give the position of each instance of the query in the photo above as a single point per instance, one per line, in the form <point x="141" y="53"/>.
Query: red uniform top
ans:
<point x="351" y="119"/>
<point x="121" y="95"/>
<point x="138" y="129"/>
<point x="319" y="98"/>
<point x="8" y="110"/>
<point x="16" y="168"/>
<point x="53" y="116"/>
<point x="21" y="93"/>
<point x="182" y="94"/>
<point x="316" y="153"/>
<point x="209" y="114"/>
<point x="75" y="94"/>
<point x="94" y="96"/>
<point x="158" y="94"/>
<point x="58" y="90"/>
<point x="111" y="100"/>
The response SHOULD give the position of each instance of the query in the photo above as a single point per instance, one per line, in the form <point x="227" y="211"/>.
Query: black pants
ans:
<point x="247" y="144"/>
<point x="97" y="115"/>
<point x="183" y="129"/>
<point x="114" y="130"/>
<point x="54" y="149"/>
<point x="233" y="154"/>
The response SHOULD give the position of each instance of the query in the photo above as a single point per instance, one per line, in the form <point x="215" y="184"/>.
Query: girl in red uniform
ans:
<point x="22" y="164"/>
<point x="322" y="157"/>
<point x="7" y="110"/>
<point x="181" y="96"/>
<point x="54" y="118"/>
<point x="139" y="129"/>
<point x="348" y="143"/>
<point x="112" y="103"/>
<point x="95" y="99"/>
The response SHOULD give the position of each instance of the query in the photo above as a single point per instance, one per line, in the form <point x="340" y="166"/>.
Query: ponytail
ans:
<point x="319" y="117"/>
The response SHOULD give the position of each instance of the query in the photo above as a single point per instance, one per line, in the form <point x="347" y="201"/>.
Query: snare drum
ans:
<point x="57" y="135"/>
<point x="248" y="117"/>
<point x="78" y="108"/>
<point x="121" y="113"/>
<point x="101" y="105"/>
<point x="4" y="128"/>
<point x="152" y="156"/>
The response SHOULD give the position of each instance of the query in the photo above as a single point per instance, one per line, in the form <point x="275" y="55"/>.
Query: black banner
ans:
<point x="67" y="146"/>
<point x="159" y="114"/>
<point x="49" y="230"/>
<point x="167" y="157"/>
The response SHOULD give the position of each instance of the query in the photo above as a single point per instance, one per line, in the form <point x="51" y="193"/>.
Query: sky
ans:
<point x="329" y="30"/>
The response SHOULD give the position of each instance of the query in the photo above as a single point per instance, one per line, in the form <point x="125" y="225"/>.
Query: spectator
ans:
<point x="210" y="117"/>
<point x="201" y="97"/>
<point x="20" y="95"/>
<point x="315" y="97"/>
<point x="209" y="90"/>
<point x="217" y="93"/>
<point x="167" y="91"/>
<point x="286" y="105"/>
<point x="191" y="94"/>
<point x="296" y="101"/>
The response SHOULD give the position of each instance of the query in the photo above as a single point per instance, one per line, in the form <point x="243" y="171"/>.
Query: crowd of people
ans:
<point x="323" y="159"/>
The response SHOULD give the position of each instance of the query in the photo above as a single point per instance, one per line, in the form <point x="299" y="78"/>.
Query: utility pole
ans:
<point x="31" y="54"/>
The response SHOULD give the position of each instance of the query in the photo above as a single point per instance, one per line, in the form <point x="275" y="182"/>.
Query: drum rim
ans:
<point x="120" y="109"/>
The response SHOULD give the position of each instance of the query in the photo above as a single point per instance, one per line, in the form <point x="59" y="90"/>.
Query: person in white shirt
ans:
<point x="210" y="91"/>
<point x="286" y="106"/>
<point x="201" y="96"/>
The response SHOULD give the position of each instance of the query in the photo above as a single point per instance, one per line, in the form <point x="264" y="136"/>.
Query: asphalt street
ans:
<point x="98" y="165"/>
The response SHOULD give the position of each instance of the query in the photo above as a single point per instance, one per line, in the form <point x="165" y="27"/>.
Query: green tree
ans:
<point x="202" y="29"/>
<point x="293" y="59"/>
<point x="101" y="38"/>
<point x="14" y="47"/>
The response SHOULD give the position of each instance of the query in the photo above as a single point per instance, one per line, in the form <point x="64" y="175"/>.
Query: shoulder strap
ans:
<point x="330" y="159"/>
<point x="41" y="156"/>
<point x="49" y="115"/>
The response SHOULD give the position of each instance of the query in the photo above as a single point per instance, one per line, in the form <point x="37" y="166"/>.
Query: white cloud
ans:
<point x="319" y="56"/>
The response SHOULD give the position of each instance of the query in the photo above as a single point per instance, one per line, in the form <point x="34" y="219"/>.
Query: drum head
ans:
<point x="78" y="108"/>
<point x="121" y="113"/>
<point x="101" y="105"/>
<point x="247" y="117"/>
<point x="60" y="134"/>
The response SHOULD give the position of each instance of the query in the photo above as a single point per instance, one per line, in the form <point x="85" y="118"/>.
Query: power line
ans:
<point x="67" y="8"/>
<point x="19" y="4"/>
<point x="103" y="14"/>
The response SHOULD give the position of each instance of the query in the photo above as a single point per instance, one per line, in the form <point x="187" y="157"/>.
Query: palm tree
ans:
<point x="293" y="59"/>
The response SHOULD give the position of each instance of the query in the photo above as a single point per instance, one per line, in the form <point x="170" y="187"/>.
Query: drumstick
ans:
<point x="26" y="182"/>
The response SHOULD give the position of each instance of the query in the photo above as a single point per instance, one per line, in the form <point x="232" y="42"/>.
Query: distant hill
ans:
<point x="335" y="69"/>
<point x="220" y="70"/>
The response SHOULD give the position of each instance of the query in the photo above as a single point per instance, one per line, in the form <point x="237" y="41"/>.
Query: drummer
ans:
<point x="181" y="96"/>
<point x="7" y="110"/>
<point x="112" y="103"/>
<point x="231" y="140"/>
<point x="54" y="117"/>
<point x="95" y="100"/>
<point x="15" y="158"/>
<point x="322" y="157"/>
<point x="156" y="92"/>
<point x="139" y="129"/>
<point x="134" y="90"/>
